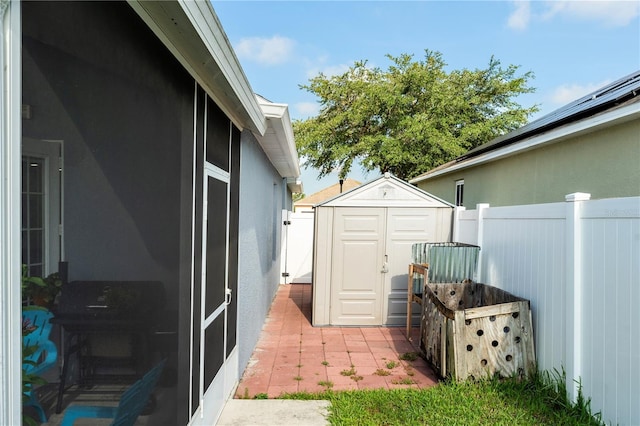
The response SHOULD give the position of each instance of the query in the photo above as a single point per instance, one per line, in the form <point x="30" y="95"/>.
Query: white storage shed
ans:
<point x="362" y="250"/>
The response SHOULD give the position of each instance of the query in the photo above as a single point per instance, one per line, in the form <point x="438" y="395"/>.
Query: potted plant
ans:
<point x="29" y="379"/>
<point x="40" y="291"/>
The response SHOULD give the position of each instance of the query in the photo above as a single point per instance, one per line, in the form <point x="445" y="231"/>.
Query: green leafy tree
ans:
<point x="409" y="118"/>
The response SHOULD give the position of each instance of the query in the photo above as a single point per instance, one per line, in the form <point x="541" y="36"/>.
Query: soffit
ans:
<point x="278" y="141"/>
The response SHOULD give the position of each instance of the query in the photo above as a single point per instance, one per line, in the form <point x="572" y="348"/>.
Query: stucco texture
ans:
<point x="261" y="201"/>
<point x="605" y="164"/>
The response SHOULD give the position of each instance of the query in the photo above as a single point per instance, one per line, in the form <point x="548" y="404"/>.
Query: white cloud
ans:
<point x="570" y="92"/>
<point x="265" y="51"/>
<point x="327" y="70"/>
<point x="609" y="13"/>
<point x="519" y="19"/>
<point x="306" y="109"/>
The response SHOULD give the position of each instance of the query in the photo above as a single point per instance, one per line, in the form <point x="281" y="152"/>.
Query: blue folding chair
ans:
<point x="45" y="355"/>
<point x="131" y="404"/>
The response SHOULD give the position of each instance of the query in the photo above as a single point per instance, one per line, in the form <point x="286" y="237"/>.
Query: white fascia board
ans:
<point x="193" y="33"/>
<point x="282" y="151"/>
<point x="582" y="127"/>
<point x="205" y="20"/>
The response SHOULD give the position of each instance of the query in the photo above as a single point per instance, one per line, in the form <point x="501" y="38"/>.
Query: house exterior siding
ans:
<point x="603" y="163"/>
<point x="261" y="204"/>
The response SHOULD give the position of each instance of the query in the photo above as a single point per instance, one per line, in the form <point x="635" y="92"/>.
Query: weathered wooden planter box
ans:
<point x="473" y="330"/>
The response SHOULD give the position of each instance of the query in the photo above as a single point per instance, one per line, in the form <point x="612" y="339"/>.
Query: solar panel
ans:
<point x="607" y="96"/>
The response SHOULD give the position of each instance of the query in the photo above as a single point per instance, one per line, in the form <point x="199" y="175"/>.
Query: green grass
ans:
<point x="326" y="383"/>
<point x="349" y="372"/>
<point x="409" y="356"/>
<point x="538" y="401"/>
<point x="404" y="381"/>
<point x="391" y="365"/>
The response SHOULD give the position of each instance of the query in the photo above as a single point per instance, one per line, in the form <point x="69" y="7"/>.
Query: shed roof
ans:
<point x="385" y="191"/>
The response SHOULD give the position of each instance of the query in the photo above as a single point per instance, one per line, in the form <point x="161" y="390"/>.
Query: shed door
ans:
<point x="358" y="256"/>
<point x="405" y="226"/>
<point x="366" y="241"/>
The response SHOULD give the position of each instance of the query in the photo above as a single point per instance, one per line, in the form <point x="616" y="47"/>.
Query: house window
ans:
<point x="41" y="214"/>
<point x="460" y="192"/>
<point x="33" y="215"/>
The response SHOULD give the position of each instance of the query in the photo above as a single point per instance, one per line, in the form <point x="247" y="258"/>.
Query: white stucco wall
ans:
<point x="261" y="204"/>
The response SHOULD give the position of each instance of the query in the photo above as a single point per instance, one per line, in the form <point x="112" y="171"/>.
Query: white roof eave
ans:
<point x="192" y="32"/>
<point x="278" y="141"/>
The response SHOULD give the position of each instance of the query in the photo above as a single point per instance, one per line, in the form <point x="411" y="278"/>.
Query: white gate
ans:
<point x="298" y="258"/>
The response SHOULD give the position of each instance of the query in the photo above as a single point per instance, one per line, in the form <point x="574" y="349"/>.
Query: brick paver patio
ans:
<point x="293" y="356"/>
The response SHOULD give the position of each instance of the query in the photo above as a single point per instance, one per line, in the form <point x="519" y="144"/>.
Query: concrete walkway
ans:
<point x="272" y="412"/>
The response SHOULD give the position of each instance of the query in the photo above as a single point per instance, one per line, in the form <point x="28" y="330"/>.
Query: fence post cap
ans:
<point x="577" y="196"/>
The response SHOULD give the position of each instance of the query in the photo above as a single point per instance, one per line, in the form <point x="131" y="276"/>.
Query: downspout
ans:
<point x="284" y="194"/>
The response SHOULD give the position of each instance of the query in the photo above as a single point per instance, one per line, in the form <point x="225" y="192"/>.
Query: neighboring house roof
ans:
<point x="614" y="103"/>
<point x="192" y="32"/>
<point x="386" y="191"/>
<point x="327" y="193"/>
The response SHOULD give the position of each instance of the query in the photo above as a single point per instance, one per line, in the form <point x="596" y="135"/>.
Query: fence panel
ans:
<point x="467" y="226"/>
<point x="611" y="315"/>
<point x="525" y="250"/>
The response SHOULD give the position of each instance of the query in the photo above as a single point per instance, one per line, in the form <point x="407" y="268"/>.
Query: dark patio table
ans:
<point x="90" y="310"/>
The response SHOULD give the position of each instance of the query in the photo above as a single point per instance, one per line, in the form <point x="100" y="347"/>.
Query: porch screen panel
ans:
<point x="104" y="83"/>
<point x="218" y="128"/>
<point x="213" y="350"/>
<point x="216" y="261"/>
<point x="232" y="308"/>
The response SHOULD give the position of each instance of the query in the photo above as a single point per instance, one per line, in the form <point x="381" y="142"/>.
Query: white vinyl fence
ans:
<point x="578" y="262"/>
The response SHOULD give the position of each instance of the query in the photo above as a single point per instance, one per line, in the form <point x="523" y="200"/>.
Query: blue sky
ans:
<point x="572" y="47"/>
